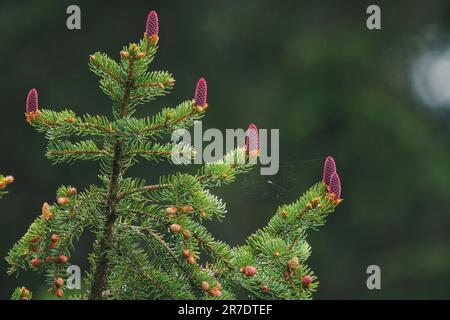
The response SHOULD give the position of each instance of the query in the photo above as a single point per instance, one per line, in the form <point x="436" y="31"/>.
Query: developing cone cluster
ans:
<point x="331" y="180"/>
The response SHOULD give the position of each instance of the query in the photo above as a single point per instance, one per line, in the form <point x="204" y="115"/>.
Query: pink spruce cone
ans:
<point x="201" y="92"/>
<point x="252" y="141"/>
<point x="335" y="186"/>
<point x="152" y="26"/>
<point x="328" y="169"/>
<point x="32" y="101"/>
<point x="32" y="108"/>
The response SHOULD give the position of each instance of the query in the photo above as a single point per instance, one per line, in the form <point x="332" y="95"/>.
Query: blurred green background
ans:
<point x="376" y="100"/>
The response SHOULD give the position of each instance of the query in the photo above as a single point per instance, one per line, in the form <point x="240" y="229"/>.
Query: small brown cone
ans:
<point x="175" y="228"/>
<point x="205" y="286"/>
<point x="59" y="292"/>
<point x="190" y="260"/>
<point x="63" y="201"/>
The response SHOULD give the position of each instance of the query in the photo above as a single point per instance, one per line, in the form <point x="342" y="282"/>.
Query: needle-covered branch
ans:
<point x="156" y="151"/>
<point x="210" y="175"/>
<point x="164" y="122"/>
<point x="66" y="151"/>
<point x="272" y="263"/>
<point x="50" y="238"/>
<point x="62" y="124"/>
<point x="142" y="279"/>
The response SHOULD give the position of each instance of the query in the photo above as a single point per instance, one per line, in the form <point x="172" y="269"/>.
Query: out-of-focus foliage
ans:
<point x="311" y="69"/>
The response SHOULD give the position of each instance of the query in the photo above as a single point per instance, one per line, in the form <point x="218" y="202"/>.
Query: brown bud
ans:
<point x="59" y="282"/>
<point x="171" y="81"/>
<point x="140" y="55"/>
<point x="186" y="234"/>
<point x="91" y="58"/>
<point x="309" y="206"/>
<point x="277" y="254"/>
<point x="46" y="214"/>
<point x="188" y="209"/>
<point x="70" y="120"/>
<point x="284" y="214"/>
<point x="307" y="280"/>
<point x="63" y="259"/>
<point x="9" y="179"/>
<point x="175" y="228"/>
<point x="293" y="263"/>
<point x="171" y="211"/>
<point x="190" y="260"/>
<point x="71" y="191"/>
<point x="186" y="253"/>
<point x="205" y="286"/>
<point x="124" y="54"/>
<point x="59" y="292"/>
<point x="24" y="293"/>
<point x="215" y="293"/>
<point x="63" y="201"/>
<point x="286" y="274"/>
<point x="249" y="271"/>
<point x="133" y="47"/>
<point x="315" y="201"/>
<point x="49" y="259"/>
<point x="55" y="237"/>
<point x="35" y="262"/>
<point x="53" y="245"/>
<point x="265" y="289"/>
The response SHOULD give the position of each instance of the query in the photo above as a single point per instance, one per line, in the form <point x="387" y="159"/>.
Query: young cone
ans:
<point x="152" y="27"/>
<point x="335" y="187"/>
<point x="252" y="141"/>
<point x="328" y="169"/>
<point x="201" y="93"/>
<point x="32" y="106"/>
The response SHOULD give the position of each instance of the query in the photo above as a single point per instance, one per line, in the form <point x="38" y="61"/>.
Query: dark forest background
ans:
<point x="310" y="68"/>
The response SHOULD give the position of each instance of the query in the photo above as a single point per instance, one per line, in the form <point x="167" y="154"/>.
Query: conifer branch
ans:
<point x="62" y="124"/>
<point x="153" y="276"/>
<point x="65" y="151"/>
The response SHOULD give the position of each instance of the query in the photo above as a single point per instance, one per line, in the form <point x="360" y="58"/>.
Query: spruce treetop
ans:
<point x="150" y="238"/>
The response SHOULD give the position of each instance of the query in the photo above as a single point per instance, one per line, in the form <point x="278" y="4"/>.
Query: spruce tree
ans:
<point x="150" y="240"/>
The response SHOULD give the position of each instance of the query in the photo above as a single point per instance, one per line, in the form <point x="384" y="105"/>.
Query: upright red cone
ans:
<point x="252" y="141"/>
<point x="328" y="169"/>
<point x="152" y="27"/>
<point x="32" y="106"/>
<point x="201" y="93"/>
<point x="335" y="188"/>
